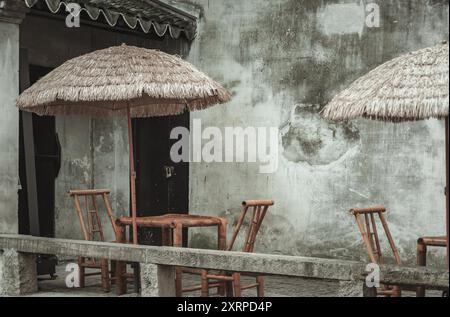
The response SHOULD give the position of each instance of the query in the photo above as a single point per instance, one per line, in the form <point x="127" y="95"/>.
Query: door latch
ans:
<point x="170" y="171"/>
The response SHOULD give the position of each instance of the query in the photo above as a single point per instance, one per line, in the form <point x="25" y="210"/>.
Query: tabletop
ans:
<point x="172" y="220"/>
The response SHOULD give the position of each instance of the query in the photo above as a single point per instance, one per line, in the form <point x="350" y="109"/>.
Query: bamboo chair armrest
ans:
<point x="357" y="211"/>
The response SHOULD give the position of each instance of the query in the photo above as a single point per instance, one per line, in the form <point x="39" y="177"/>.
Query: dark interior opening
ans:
<point x="47" y="162"/>
<point x="162" y="186"/>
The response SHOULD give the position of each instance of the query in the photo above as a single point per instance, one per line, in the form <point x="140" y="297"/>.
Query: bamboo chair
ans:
<point x="232" y="280"/>
<point x="422" y="246"/>
<point x="369" y="233"/>
<point x="87" y="208"/>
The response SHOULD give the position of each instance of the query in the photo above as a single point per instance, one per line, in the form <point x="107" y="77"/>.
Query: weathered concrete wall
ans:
<point x="9" y="123"/>
<point x="284" y="60"/>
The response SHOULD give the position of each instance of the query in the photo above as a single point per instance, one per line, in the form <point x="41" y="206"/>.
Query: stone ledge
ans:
<point x="305" y="267"/>
<point x="17" y="273"/>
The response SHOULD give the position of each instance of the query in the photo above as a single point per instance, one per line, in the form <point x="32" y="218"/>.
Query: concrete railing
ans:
<point x="18" y="274"/>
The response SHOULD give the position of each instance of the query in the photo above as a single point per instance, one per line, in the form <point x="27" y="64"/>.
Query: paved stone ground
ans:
<point x="275" y="287"/>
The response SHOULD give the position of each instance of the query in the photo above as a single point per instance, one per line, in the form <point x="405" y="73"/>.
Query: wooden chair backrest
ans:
<point x="259" y="208"/>
<point x="88" y="215"/>
<point x="369" y="232"/>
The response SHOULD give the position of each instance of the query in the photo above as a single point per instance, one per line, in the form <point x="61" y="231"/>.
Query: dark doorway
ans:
<point x="47" y="164"/>
<point x="162" y="186"/>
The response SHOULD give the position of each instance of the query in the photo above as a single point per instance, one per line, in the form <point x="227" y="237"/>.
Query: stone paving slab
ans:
<point x="275" y="287"/>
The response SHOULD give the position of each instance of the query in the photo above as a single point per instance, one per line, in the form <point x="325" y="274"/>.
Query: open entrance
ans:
<point x="162" y="186"/>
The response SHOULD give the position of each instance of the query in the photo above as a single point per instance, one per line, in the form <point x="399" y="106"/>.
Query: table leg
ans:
<point x="222" y="235"/>
<point x="104" y="267"/>
<point x="121" y="283"/>
<point x="222" y="245"/>
<point x="178" y="242"/>
<point x="166" y="242"/>
<point x="421" y="261"/>
<point x="82" y="271"/>
<point x="178" y="236"/>
<point x="166" y="237"/>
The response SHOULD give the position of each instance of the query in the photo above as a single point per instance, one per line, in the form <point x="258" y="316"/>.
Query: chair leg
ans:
<point x="112" y="272"/>
<point x="105" y="275"/>
<point x="383" y="288"/>
<point x="178" y="282"/>
<point x="421" y="261"/>
<point x="260" y="287"/>
<point x="397" y="292"/>
<point x="205" y="284"/>
<point x="237" y="284"/>
<point x="221" y="289"/>
<point x="136" y="277"/>
<point x="81" y="271"/>
<point x="121" y="281"/>
<point x="229" y="289"/>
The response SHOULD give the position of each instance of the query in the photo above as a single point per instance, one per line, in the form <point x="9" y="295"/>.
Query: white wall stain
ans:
<point x="342" y="18"/>
<point x="358" y="193"/>
<point x="83" y="164"/>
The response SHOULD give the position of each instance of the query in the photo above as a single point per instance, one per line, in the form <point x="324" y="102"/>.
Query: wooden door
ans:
<point x="162" y="186"/>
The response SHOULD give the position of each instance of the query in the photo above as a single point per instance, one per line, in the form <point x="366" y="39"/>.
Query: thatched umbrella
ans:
<point x="123" y="81"/>
<point x="408" y="88"/>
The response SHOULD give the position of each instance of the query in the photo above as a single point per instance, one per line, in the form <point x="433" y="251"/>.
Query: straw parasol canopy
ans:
<point x="108" y="81"/>
<point x="411" y="87"/>
<point x="408" y="88"/>
<point x="123" y="81"/>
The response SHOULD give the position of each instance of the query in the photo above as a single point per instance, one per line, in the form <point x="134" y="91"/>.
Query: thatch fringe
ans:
<point x="106" y="82"/>
<point x="411" y="87"/>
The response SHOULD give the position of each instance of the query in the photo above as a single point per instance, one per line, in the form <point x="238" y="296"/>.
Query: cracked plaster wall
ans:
<point x="284" y="60"/>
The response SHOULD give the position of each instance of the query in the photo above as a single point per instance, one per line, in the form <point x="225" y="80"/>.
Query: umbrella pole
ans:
<point x="447" y="196"/>
<point x="132" y="177"/>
